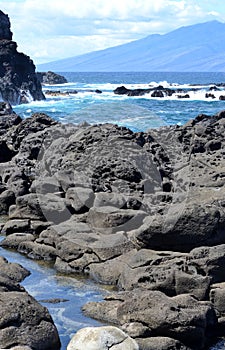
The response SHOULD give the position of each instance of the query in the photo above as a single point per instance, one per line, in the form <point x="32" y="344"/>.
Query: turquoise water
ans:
<point x="137" y="113"/>
<point x="44" y="283"/>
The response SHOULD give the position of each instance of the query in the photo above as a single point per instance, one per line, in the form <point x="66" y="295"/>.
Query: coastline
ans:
<point x="142" y="211"/>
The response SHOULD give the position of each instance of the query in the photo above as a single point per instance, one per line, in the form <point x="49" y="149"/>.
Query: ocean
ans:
<point x="137" y="113"/>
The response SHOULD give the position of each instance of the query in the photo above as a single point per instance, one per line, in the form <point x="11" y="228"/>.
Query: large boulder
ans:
<point x="18" y="80"/>
<point x="152" y="313"/>
<point x="102" y="338"/>
<point x="23" y="321"/>
<point x="169" y="272"/>
<point x="193" y="213"/>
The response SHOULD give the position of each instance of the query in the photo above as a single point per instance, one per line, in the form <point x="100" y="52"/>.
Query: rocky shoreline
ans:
<point x="141" y="211"/>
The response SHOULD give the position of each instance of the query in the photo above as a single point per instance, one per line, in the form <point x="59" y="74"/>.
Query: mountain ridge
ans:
<point x="199" y="47"/>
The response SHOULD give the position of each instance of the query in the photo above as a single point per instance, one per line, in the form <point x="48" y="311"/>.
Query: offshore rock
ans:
<point x="51" y="78"/>
<point x="158" y="91"/>
<point x="18" y="80"/>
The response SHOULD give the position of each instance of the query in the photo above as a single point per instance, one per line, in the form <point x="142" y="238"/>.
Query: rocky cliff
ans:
<point x="25" y="324"/>
<point x="18" y="80"/>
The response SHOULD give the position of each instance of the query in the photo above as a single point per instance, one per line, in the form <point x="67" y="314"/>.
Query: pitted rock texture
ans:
<point x="142" y="313"/>
<point x="142" y="211"/>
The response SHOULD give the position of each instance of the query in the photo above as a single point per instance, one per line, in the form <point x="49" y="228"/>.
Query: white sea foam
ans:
<point x="107" y="106"/>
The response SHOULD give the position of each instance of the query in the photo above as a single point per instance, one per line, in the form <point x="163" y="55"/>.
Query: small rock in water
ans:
<point x="54" y="300"/>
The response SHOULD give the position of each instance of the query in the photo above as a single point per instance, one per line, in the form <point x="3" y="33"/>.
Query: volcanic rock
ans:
<point x="158" y="91"/>
<point x="158" y="315"/>
<point x="5" y="32"/>
<point x="18" y="80"/>
<point x="51" y="78"/>
<point x="22" y="320"/>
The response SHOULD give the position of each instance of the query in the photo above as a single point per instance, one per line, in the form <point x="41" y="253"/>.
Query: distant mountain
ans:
<point x="196" y="48"/>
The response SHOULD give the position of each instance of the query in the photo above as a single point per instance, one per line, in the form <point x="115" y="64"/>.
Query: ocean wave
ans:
<point x="79" y="101"/>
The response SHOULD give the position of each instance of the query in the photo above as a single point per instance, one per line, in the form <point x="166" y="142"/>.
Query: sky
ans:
<point x="49" y="30"/>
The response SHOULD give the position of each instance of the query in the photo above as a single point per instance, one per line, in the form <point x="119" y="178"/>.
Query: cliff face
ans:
<point x="5" y="32"/>
<point x="18" y="80"/>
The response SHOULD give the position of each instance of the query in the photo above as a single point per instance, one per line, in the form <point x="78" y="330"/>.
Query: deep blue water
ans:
<point x="137" y="113"/>
<point x="145" y="77"/>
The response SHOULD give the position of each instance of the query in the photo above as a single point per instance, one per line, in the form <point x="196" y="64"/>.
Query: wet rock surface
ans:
<point x="23" y="321"/>
<point x="18" y="80"/>
<point x="161" y="91"/>
<point x="141" y="211"/>
<point x="64" y="92"/>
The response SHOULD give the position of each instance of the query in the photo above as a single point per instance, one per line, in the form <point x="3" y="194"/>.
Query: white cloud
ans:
<point x="49" y="30"/>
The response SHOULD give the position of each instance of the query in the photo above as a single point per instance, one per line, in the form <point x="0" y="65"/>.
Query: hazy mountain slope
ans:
<point x="200" y="47"/>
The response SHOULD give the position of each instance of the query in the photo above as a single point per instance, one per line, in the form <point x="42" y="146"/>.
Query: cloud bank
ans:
<point x="48" y="30"/>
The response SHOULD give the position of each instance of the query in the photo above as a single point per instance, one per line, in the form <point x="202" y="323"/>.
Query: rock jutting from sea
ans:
<point x="18" y="80"/>
<point x="160" y="91"/>
<point x="51" y="78"/>
<point x="142" y="211"/>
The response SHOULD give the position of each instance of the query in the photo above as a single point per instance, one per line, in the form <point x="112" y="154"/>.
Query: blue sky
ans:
<point x="49" y="30"/>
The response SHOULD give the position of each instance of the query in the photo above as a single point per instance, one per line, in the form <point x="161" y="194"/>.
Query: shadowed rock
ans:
<point x="5" y="32"/>
<point x="18" y="80"/>
<point x="22" y="320"/>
